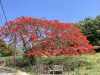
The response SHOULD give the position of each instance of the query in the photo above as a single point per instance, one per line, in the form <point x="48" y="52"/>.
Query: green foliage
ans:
<point x="91" y="28"/>
<point x="5" y="50"/>
<point x="94" y="68"/>
<point x="83" y="65"/>
<point x="70" y="63"/>
<point x="31" y="60"/>
<point x="20" y="62"/>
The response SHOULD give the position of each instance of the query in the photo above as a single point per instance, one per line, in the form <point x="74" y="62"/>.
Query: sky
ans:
<point x="62" y="10"/>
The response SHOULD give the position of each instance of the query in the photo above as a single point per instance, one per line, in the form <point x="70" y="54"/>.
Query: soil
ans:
<point x="7" y="70"/>
<point x="11" y="71"/>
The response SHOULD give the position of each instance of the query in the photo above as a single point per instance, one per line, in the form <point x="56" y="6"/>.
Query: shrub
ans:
<point x="69" y="63"/>
<point x="19" y="62"/>
<point x="5" y="49"/>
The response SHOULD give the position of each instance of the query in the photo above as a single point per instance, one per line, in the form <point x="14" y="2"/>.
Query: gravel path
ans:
<point x="10" y="71"/>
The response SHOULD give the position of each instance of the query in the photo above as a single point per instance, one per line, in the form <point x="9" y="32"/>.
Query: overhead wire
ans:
<point x="3" y="10"/>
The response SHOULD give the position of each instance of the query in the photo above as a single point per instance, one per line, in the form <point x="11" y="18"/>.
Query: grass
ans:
<point x="93" y="68"/>
<point x="90" y="70"/>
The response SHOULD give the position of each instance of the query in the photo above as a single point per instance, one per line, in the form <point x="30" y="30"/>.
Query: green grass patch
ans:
<point x="79" y="65"/>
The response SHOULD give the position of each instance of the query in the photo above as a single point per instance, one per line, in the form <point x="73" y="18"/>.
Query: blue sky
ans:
<point x="63" y="10"/>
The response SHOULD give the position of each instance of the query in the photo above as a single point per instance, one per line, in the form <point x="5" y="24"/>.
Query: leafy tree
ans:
<point x="91" y="28"/>
<point x="42" y="37"/>
<point x="5" y="50"/>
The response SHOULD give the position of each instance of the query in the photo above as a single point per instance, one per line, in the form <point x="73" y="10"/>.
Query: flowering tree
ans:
<point x="42" y="37"/>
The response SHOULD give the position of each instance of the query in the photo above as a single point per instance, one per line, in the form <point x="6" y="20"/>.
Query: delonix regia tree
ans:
<point x="46" y="37"/>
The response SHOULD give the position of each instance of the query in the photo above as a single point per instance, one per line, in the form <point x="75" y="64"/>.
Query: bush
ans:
<point x="5" y="50"/>
<point x="20" y="61"/>
<point x="70" y="63"/>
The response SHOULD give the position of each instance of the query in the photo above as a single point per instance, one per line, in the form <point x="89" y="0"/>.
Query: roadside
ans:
<point x="11" y="71"/>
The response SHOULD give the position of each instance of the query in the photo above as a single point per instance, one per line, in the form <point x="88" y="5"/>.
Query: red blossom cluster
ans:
<point x="46" y="37"/>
